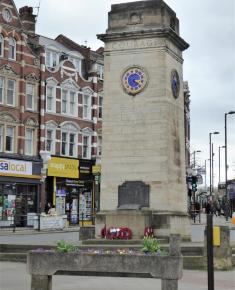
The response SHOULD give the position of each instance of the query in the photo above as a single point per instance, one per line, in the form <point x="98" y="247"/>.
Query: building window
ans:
<point x="9" y="145"/>
<point x="86" y="148"/>
<point x="64" y="102"/>
<point x="50" y="140"/>
<point x="100" y="107"/>
<point x="1" y="46"/>
<point x="7" y="16"/>
<point x="12" y="48"/>
<point x="72" y="144"/>
<point x="64" y="143"/>
<point x="68" y="144"/>
<point x="69" y="103"/>
<point x="100" y="71"/>
<point x="99" y="146"/>
<point x="30" y="96"/>
<point x="1" y="138"/>
<point x="11" y="92"/>
<point x="7" y="91"/>
<point x="77" y="63"/>
<point x="86" y="106"/>
<point x="52" y="58"/>
<point x="1" y="90"/>
<point x="50" y="99"/>
<point x="29" y="141"/>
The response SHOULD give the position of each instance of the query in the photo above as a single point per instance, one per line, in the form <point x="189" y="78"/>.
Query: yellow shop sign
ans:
<point x="63" y="167"/>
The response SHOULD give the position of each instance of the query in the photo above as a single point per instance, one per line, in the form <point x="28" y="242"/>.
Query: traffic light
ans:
<point x="194" y="183"/>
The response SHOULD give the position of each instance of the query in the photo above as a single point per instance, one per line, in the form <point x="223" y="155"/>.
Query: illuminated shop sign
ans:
<point x="15" y="167"/>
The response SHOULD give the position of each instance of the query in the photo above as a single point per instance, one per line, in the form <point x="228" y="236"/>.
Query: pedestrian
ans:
<point x="208" y="208"/>
<point x="47" y="207"/>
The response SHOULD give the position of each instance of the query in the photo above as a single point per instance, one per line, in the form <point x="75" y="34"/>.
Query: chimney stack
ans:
<point x="28" y="19"/>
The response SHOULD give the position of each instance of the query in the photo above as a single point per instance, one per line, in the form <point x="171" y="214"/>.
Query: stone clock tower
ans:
<point x="143" y="152"/>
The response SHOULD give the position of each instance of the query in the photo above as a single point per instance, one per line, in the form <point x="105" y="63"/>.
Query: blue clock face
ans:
<point x="134" y="80"/>
<point x="175" y="83"/>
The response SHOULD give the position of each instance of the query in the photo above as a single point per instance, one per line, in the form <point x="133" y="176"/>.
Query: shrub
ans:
<point x="64" y="247"/>
<point x="150" y="245"/>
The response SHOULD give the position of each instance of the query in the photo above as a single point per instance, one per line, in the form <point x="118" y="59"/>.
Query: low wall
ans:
<point x="42" y="265"/>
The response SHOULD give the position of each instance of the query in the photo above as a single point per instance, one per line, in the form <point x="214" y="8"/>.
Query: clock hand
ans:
<point x="137" y="81"/>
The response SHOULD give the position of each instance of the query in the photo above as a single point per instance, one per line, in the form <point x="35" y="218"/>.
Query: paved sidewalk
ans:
<point x="192" y="280"/>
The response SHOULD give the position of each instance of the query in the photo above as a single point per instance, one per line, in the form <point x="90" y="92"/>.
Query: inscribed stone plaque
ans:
<point x="133" y="195"/>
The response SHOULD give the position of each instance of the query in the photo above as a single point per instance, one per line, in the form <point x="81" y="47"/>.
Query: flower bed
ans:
<point x="43" y="264"/>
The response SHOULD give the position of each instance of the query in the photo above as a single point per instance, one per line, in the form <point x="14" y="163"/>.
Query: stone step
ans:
<point x="10" y="248"/>
<point x="13" y="257"/>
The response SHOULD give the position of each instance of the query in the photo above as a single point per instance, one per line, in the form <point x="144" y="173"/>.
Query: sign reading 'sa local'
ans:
<point x="15" y="167"/>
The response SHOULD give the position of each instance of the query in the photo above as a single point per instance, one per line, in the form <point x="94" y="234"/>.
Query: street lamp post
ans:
<point x="46" y="156"/>
<point x="215" y="133"/>
<point x="219" y="160"/>
<point x="226" y="150"/>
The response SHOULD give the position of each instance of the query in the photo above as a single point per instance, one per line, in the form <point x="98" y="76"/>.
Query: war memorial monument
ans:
<point x="143" y="152"/>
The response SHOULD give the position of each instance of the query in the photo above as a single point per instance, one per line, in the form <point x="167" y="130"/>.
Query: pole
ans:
<point x="205" y="175"/>
<point x="212" y="167"/>
<point x="225" y="144"/>
<point x="219" y="164"/>
<point x="210" y="162"/>
<point x="210" y="257"/>
<point x="194" y="159"/>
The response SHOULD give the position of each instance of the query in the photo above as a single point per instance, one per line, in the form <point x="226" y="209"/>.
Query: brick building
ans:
<point x="50" y="101"/>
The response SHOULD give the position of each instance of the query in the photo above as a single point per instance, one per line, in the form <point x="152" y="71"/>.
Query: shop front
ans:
<point x="19" y="192"/>
<point x="69" y="192"/>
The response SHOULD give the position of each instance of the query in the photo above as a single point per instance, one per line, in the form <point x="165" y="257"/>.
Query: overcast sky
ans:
<point x="209" y="63"/>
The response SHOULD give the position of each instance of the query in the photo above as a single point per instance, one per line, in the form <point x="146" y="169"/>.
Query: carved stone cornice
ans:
<point x="31" y="77"/>
<point x="6" y="69"/>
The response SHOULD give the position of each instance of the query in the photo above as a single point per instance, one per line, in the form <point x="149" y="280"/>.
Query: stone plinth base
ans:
<point x="163" y="223"/>
<point x="166" y="223"/>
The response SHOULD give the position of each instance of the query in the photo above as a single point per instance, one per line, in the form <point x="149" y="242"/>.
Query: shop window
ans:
<point x="29" y="141"/>
<point x="9" y="139"/>
<point x="30" y="96"/>
<point x="86" y="152"/>
<point x="12" y="49"/>
<point x="7" y="202"/>
<point x="50" y="99"/>
<point x="1" y="46"/>
<point x="100" y="107"/>
<point x="87" y="106"/>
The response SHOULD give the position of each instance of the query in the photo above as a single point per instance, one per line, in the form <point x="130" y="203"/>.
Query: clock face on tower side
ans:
<point x="134" y="80"/>
<point x="175" y="83"/>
